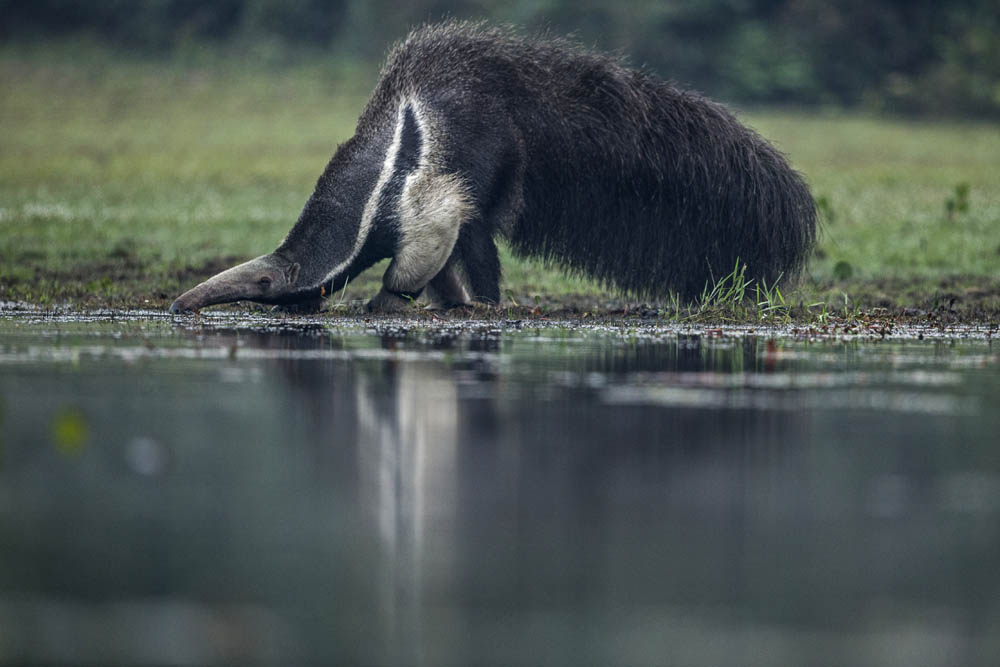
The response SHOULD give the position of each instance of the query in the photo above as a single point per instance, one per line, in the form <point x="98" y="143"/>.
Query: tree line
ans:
<point x="900" y="56"/>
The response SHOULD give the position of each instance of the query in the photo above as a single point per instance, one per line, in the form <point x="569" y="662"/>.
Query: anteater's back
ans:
<point x="618" y="175"/>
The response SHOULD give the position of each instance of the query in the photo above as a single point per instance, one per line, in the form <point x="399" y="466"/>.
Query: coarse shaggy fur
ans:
<point x="473" y="133"/>
<point x="605" y="170"/>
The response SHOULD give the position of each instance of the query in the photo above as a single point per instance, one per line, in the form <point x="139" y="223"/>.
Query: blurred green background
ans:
<point x="917" y="56"/>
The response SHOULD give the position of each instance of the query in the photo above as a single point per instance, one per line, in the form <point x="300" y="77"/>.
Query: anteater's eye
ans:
<point x="265" y="281"/>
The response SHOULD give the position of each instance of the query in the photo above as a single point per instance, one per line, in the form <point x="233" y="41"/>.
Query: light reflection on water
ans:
<point x="495" y="495"/>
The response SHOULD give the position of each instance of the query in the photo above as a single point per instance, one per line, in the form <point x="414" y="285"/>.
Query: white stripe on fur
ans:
<point x="432" y="208"/>
<point x="371" y="206"/>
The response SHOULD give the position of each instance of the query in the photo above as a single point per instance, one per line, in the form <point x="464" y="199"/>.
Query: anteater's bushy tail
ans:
<point x="651" y="188"/>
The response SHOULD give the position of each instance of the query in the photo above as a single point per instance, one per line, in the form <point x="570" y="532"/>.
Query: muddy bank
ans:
<point x="126" y="283"/>
<point x="480" y="321"/>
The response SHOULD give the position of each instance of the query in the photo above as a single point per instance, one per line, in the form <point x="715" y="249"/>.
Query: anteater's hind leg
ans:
<point x="481" y="263"/>
<point x="432" y="209"/>
<point x="498" y="188"/>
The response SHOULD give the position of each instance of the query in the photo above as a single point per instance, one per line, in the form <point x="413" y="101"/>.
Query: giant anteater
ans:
<point x="474" y="133"/>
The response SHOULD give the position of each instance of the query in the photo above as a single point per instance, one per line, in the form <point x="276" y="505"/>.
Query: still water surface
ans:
<point x="292" y="492"/>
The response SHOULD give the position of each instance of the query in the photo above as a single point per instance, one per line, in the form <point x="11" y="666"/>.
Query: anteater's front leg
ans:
<point x="432" y="209"/>
<point x="409" y="272"/>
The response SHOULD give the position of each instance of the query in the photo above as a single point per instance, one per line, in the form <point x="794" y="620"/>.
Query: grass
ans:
<point x="124" y="182"/>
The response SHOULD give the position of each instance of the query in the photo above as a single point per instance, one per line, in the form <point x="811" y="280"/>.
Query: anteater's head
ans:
<point x="268" y="279"/>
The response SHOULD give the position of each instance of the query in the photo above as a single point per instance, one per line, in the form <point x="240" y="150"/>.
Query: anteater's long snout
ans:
<point x="263" y="279"/>
<point x="205" y="294"/>
<point x="231" y="285"/>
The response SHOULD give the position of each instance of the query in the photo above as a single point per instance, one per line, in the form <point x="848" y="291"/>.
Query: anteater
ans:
<point x="475" y="133"/>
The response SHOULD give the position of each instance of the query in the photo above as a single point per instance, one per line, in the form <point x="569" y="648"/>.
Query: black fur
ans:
<point x="604" y="170"/>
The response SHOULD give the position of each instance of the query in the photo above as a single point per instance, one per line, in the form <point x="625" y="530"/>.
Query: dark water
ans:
<point x="251" y="493"/>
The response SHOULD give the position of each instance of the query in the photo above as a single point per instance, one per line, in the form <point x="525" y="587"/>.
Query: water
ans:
<point x="297" y="492"/>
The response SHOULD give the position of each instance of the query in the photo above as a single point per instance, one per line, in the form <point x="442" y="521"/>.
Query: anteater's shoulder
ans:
<point x="469" y="60"/>
<point x="468" y="40"/>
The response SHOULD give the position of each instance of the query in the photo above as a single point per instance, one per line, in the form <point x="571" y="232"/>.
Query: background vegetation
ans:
<point x="923" y="56"/>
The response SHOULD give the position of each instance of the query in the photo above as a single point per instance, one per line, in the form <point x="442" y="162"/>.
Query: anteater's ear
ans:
<point x="292" y="273"/>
